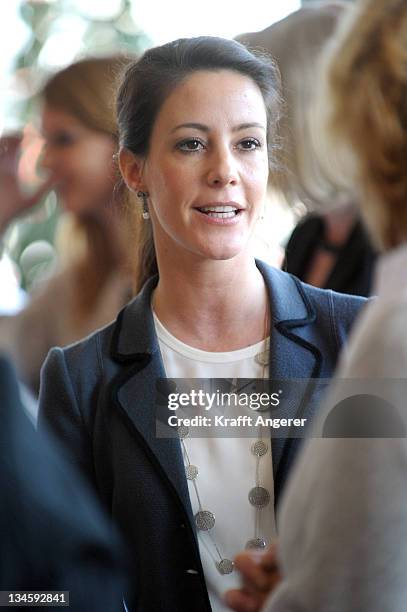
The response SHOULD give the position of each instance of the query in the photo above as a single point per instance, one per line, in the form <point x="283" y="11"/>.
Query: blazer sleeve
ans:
<point x="27" y="336"/>
<point x="60" y="413"/>
<point x="345" y="311"/>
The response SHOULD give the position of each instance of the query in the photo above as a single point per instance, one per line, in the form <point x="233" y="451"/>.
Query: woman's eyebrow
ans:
<point x="244" y="126"/>
<point x="205" y="128"/>
<point x="196" y="126"/>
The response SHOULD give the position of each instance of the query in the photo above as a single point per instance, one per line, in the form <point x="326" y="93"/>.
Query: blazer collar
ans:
<point x="134" y="332"/>
<point x="291" y="354"/>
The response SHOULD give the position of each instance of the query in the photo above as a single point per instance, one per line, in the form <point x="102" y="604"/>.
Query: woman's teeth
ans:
<point x="225" y="215"/>
<point x="219" y="212"/>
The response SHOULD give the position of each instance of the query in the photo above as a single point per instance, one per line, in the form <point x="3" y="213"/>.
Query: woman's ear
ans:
<point x="131" y="168"/>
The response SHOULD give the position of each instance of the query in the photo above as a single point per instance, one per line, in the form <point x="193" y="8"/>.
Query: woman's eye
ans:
<point x="190" y="145"/>
<point x="63" y="139"/>
<point x="249" y="144"/>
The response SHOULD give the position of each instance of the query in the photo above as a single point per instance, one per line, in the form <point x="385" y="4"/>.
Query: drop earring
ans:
<point x="143" y="195"/>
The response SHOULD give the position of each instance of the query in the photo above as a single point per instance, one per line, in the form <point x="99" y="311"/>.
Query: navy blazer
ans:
<point x="98" y="397"/>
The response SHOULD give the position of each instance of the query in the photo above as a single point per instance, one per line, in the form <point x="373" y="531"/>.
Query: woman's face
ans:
<point x="79" y="161"/>
<point x="207" y="167"/>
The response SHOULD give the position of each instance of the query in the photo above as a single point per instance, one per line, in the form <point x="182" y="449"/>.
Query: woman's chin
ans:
<point x="73" y="204"/>
<point x="224" y="252"/>
<point x="200" y="246"/>
<point x="66" y="201"/>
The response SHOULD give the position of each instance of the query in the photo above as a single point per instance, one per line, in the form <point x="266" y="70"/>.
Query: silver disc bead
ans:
<point x="183" y="431"/>
<point x="259" y="448"/>
<point x="259" y="497"/>
<point x="191" y="472"/>
<point x="225" y="566"/>
<point x="259" y="543"/>
<point x="204" y="520"/>
<point x="262" y="358"/>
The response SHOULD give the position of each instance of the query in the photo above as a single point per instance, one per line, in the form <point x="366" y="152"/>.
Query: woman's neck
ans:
<point x="213" y="305"/>
<point x="116" y="239"/>
<point x="339" y="223"/>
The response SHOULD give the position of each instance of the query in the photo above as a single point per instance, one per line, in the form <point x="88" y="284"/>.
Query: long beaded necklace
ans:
<point x="258" y="496"/>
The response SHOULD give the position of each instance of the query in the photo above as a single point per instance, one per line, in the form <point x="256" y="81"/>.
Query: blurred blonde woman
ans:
<point x="343" y="522"/>
<point x="329" y="248"/>
<point x="93" y="279"/>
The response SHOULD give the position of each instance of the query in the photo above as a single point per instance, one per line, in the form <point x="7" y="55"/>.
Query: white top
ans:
<point x="226" y="465"/>
<point x="343" y="520"/>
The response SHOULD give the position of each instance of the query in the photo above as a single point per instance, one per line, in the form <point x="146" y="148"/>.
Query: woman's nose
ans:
<point x="222" y="170"/>
<point x="50" y="159"/>
<point x="47" y="158"/>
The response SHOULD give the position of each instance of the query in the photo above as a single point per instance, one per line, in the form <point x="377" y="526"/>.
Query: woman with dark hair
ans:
<point x="198" y="124"/>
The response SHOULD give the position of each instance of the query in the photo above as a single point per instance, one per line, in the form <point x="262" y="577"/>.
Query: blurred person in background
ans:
<point x="93" y="279"/>
<point x="329" y="248"/>
<point x="343" y="521"/>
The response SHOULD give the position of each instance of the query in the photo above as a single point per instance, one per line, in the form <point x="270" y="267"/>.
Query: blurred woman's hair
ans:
<point x="297" y="44"/>
<point x="86" y="90"/>
<point x="365" y="96"/>
<point x="147" y="84"/>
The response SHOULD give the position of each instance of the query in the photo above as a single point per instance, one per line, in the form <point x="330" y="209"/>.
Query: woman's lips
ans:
<point x="224" y="214"/>
<point x="220" y="209"/>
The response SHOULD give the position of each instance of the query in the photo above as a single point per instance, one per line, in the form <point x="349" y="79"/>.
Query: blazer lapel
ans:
<point x="292" y="357"/>
<point x="135" y="344"/>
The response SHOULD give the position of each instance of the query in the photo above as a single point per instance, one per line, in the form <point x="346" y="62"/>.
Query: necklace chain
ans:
<point x="259" y="497"/>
